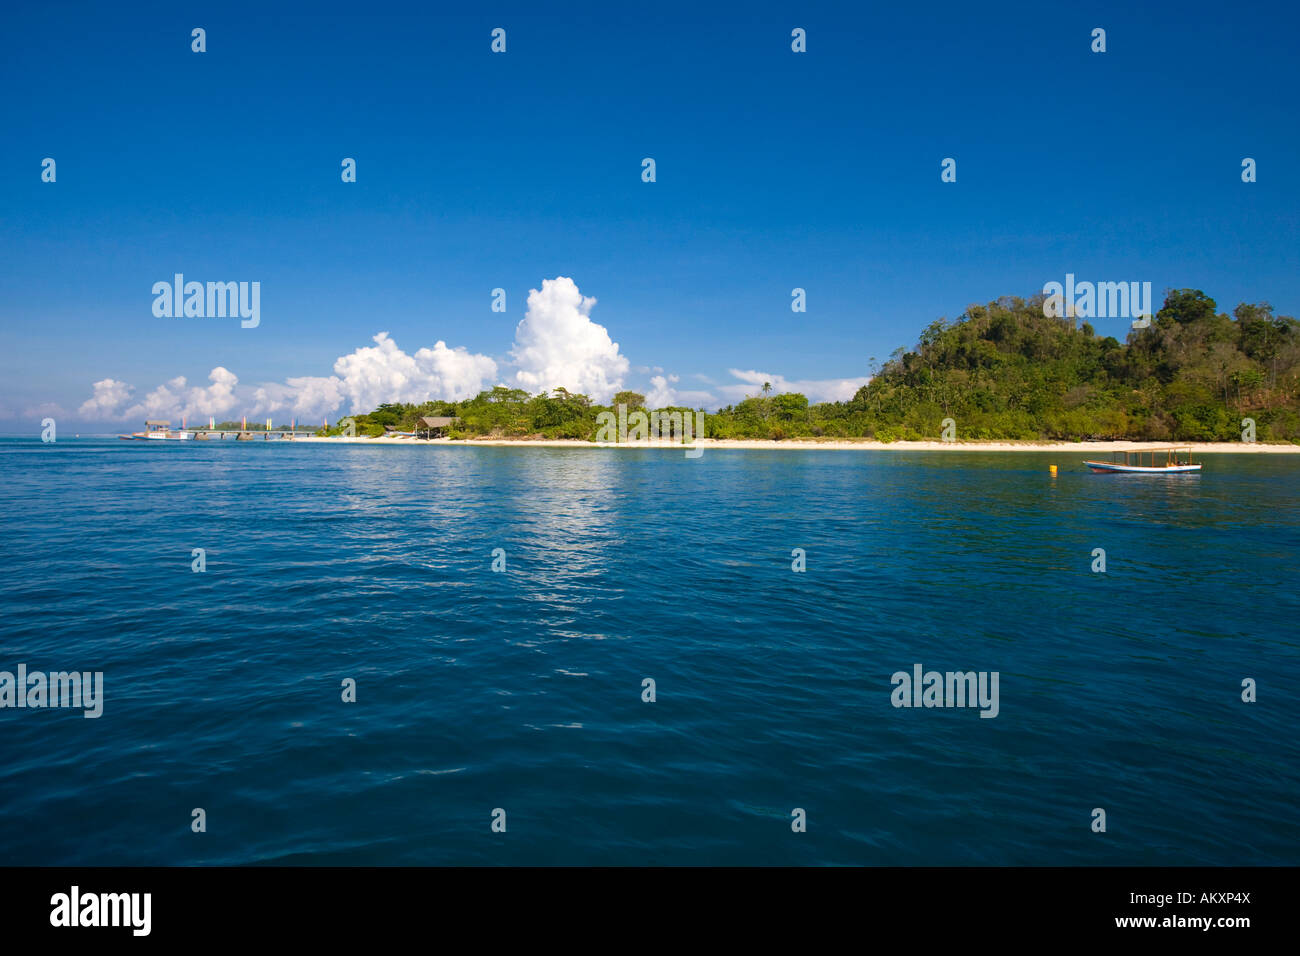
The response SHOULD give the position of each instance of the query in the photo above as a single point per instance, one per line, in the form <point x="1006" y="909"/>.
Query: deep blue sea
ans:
<point x="521" y="689"/>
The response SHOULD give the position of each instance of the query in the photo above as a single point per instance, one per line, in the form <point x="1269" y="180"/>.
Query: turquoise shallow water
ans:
<point x="522" y="689"/>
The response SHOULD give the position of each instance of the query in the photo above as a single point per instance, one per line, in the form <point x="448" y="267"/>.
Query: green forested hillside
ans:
<point x="1006" y="371"/>
<point x="1002" y="370"/>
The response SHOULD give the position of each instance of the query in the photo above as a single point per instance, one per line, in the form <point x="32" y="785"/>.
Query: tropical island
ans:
<point x="1004" y="371"/>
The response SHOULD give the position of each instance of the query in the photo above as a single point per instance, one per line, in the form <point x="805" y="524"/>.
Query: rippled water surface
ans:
<point x="522" y="689"/>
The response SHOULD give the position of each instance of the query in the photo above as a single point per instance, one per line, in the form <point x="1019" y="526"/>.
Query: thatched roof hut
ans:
<point x="434" y="427"/>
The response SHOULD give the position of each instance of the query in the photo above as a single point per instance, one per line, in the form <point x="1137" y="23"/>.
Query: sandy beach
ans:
<point x="1084" y="448"/>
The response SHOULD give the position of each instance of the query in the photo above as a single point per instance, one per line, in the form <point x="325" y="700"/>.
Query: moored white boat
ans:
<point x="1104" y="466"/>
<point x="168" y="436"/>
<point x="160" y="431"/>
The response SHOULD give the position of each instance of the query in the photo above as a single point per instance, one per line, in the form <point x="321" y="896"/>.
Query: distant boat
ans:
<point x="1159" y="461"/>
<point x="159" y="431"/>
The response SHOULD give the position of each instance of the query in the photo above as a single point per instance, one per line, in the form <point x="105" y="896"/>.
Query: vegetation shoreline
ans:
<point x="834" y="444"/>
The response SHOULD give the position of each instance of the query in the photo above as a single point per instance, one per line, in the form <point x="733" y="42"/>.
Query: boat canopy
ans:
<point x="1167" y="456"/>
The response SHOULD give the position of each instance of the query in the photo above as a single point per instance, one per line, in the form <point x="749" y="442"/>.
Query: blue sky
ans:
<point x="476" y="170"/>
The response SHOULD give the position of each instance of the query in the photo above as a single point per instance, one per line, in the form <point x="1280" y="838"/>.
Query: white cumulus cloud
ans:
<point x="364" y="379"/>
<point x="175" y="398"/>
<point x="662" y="391"/>
<point x="382" y="373"/>
<point x="306" y="398"/>
<point x="108" y="398"/>
<point x="558" y="346"/>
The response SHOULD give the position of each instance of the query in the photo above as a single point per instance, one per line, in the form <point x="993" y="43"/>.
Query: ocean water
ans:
<point x="522" y="689"/>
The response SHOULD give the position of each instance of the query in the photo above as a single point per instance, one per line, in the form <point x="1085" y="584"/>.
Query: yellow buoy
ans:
<point x="1052" y="469"/>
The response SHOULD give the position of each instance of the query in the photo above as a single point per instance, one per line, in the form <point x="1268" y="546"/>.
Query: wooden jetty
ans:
<point x="244" y="433"/>
<point x="221" y="434"/>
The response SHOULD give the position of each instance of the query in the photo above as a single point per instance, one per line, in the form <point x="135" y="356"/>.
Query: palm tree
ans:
<point x="767" y="388"/>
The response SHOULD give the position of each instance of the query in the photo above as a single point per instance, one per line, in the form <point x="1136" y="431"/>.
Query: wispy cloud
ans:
<point x="817" y="390"/>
